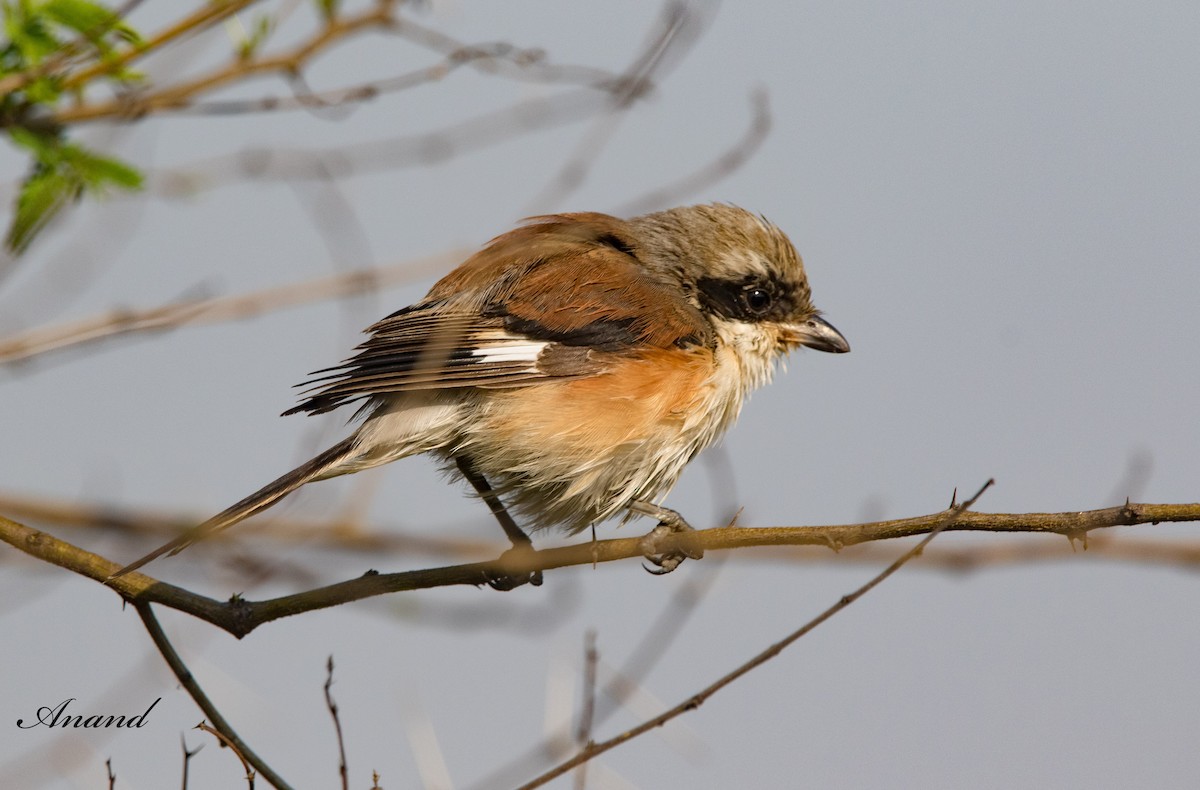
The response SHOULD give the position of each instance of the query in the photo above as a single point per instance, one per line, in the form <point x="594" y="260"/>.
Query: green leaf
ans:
<point x="257" y="36"/>
<point x="90" y="19"/>
<point x="36" y="30"/>
<point x="43" y="90"/>
<point x="99" y="172"/>
<point x="44" y="194"/>
<point x="31" y="37"/>
<point x="62" y="173"/>
<point x="43" y="147"/>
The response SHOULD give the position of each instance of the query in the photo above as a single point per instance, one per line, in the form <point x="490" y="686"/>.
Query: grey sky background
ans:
<point x="998" y="206"/>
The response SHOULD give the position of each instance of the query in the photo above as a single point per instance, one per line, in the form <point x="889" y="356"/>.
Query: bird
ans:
<point x="569" y="370"/>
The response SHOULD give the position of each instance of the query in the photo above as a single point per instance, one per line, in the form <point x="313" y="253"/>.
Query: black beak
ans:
<point x="819" y="334"/>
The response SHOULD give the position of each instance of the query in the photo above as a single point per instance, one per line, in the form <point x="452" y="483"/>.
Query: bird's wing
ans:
<point x="554" y="306"/>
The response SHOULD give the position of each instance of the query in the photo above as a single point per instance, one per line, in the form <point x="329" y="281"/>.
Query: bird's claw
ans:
<point x="511" y="581"/>
<point x="665" y="561"/>
<point x="507" y="582"/>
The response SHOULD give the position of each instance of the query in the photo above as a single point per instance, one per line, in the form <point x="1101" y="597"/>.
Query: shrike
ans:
<point x="571" y="368"/>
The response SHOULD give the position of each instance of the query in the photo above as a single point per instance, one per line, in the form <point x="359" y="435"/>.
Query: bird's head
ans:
<point x="742" y="272"/>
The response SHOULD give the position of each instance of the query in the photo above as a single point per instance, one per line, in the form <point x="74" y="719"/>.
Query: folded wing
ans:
<point x="561" y="298"/>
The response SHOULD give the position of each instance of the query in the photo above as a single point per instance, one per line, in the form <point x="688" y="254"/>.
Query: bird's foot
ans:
<point x="670" y="524"/>
<point x="518" y="555"/>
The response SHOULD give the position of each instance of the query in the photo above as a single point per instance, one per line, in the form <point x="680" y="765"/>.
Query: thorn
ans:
<point x="1127" y="512"/>
<point x="953" y="499"/>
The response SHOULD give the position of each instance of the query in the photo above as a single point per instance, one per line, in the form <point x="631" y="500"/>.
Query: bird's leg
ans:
<point x="669" y="523"/>
<point x="521" y="542"/>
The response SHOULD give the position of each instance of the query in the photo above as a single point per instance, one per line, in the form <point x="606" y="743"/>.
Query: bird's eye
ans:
<point x="758" y="299"/>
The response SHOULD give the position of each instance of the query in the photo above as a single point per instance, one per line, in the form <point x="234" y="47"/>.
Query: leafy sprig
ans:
<point x="43" y="39"/>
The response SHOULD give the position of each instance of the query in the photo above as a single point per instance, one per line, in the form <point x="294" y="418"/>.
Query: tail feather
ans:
<point x="320" y="467"/>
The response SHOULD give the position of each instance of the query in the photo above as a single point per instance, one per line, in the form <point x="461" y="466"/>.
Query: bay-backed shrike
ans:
<point x="571" y="368"/>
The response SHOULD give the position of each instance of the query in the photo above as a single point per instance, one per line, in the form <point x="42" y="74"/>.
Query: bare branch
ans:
<point x="220" y="726"/>
<point x="337" y="725"/>
<point x="591" y="657"/>
<point x="625" y="681"/>
<point x="240" y="617"/>
<point x="194" y="312"/>
<point x="587" y="711"/>
<point x="188" y="754"/>
<point x="224" y="740"/>
<point x="277" y="163"/>
<point x="133" y="105"/>
<point x="530" y="68"/>
<point x="695" y="701"/>
<point x="489" y="128"/>
<point x="1167" y="553"/>
<point x="500" y="58"/>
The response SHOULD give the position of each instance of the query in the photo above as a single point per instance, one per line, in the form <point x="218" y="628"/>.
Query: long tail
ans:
<point x="265" y="497"/>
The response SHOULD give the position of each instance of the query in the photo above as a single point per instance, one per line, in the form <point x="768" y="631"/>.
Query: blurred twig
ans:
<point x="27" y="345"/>
<point x="498" y="57"/>
<point x="209" y="14"/>
<point x="696" y="700"/>
<point x="204" y="17"/>
<point x="700" y="179"/>
<point x="341" y="534"/>
<point x="626" y="681"/>
<point x="587" y="711"/>
<point x="678" y="30"/>
<point x="133" y="105"/>
<point x="278" y="163"/>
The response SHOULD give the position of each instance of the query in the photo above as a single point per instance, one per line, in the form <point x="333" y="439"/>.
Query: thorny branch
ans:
<point x="188" y="754"/>
<point x="343" y="771"/>
<point x="945" y="520"/>
<point x="188" y="681"/>
<point x="239" y="617"/>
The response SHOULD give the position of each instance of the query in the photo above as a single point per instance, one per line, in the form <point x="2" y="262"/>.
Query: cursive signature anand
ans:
<point x="57" y="716"/>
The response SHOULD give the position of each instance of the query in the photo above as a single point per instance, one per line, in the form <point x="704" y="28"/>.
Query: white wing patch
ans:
<point x="415" y="352"/>
<point x="517" y="349"/>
